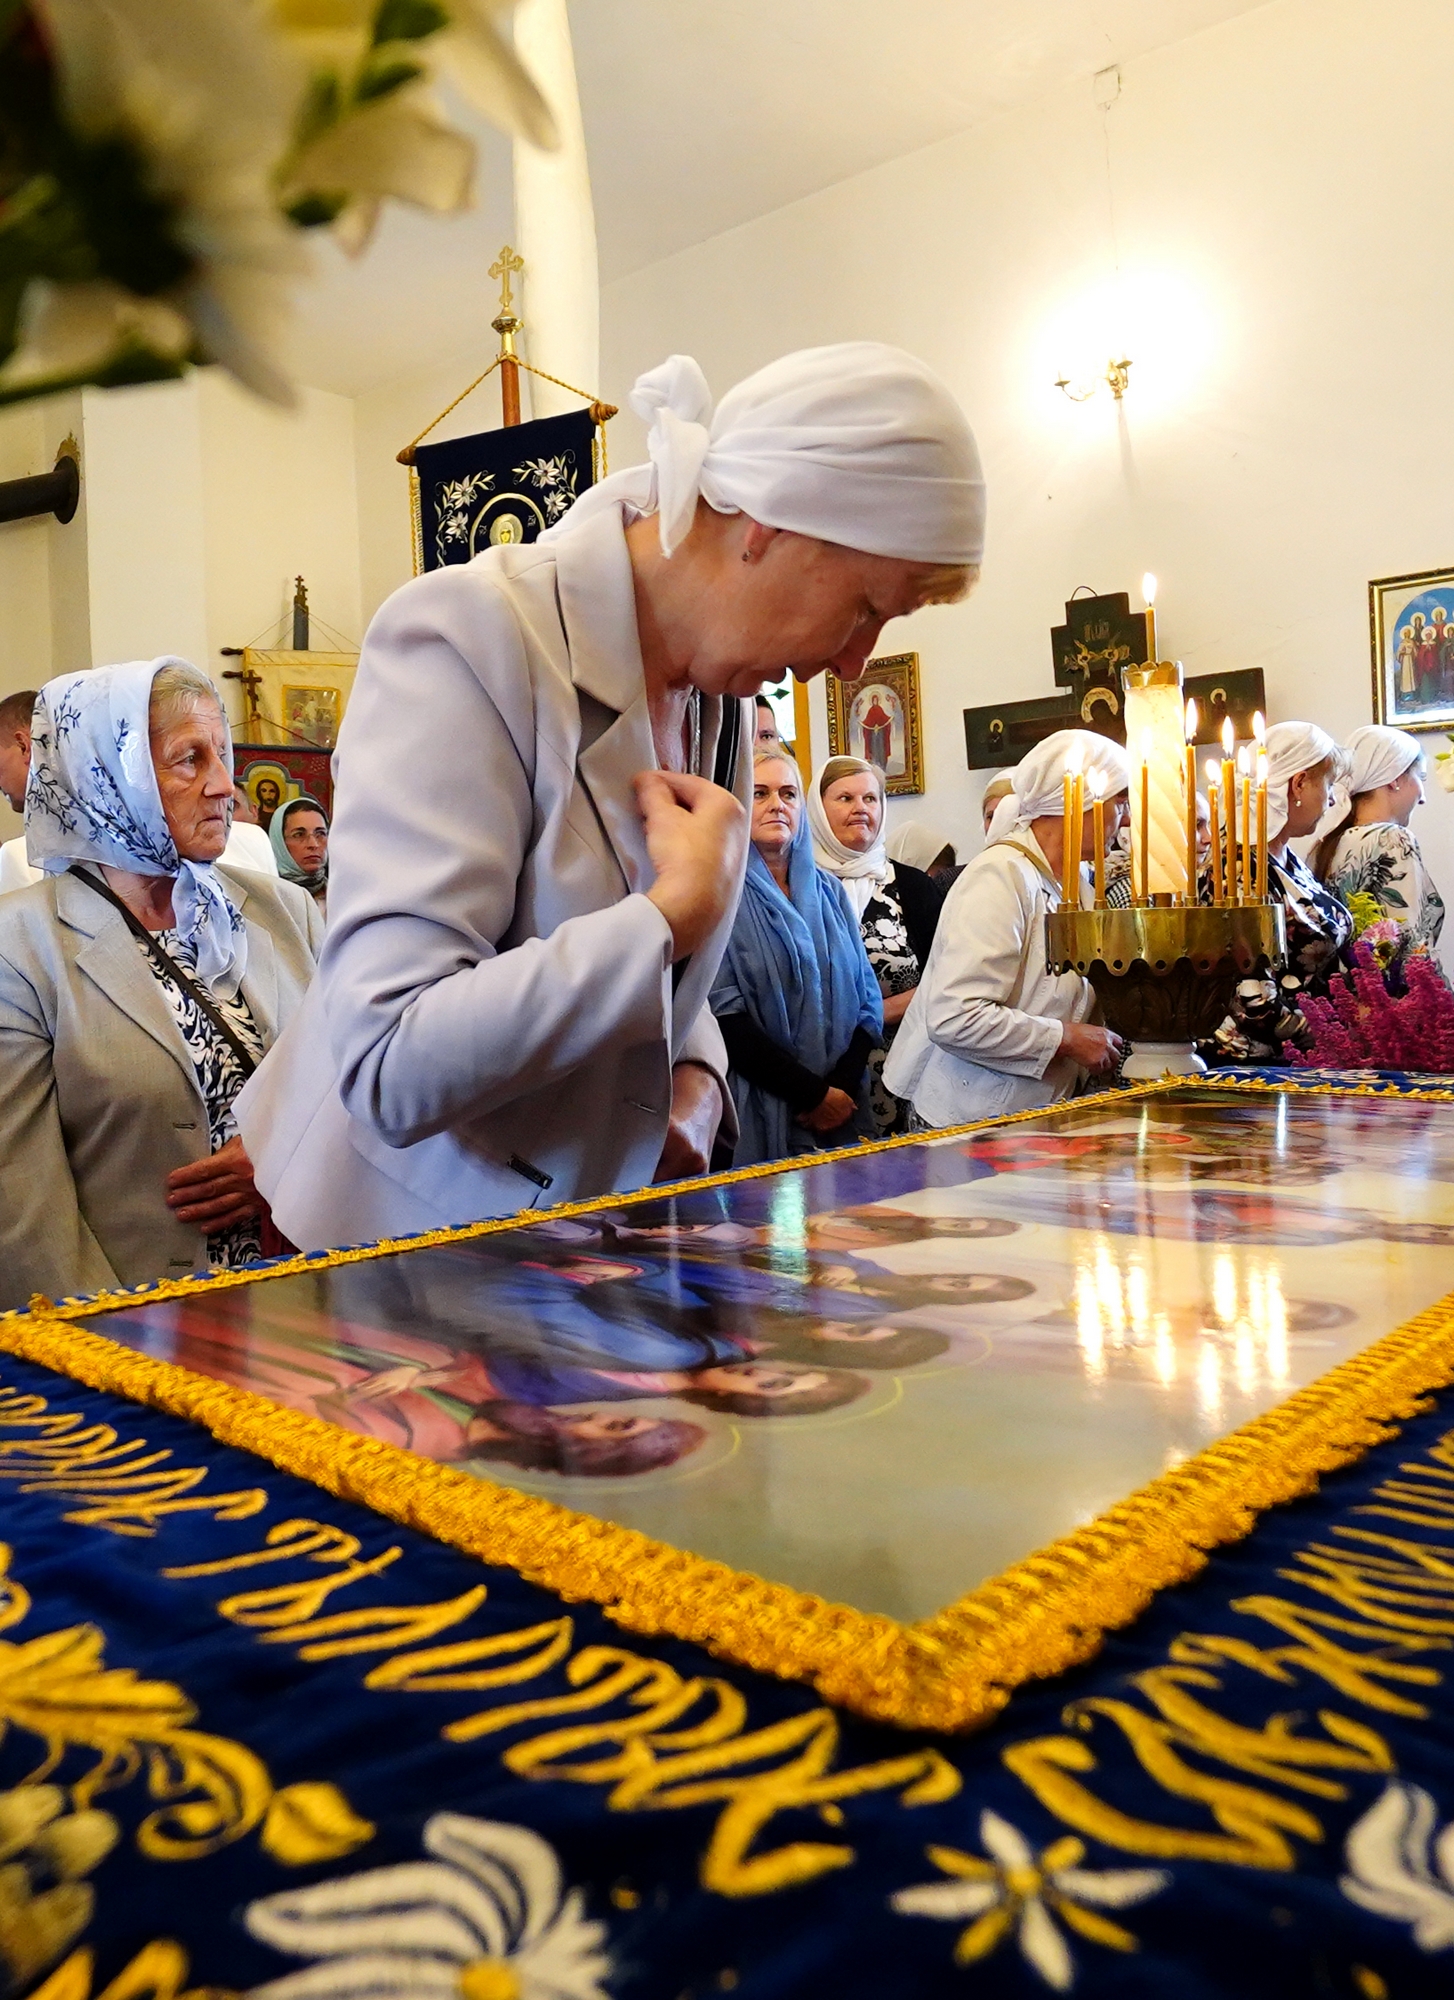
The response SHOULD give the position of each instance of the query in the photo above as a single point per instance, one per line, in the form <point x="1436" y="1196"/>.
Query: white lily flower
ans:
<point x="487" y="1920"/>
<point x="205" y="95"/>
<point x="1016" y="1890"/>
<point x="1398" y="1869"/>
<point x="400" y="144"/>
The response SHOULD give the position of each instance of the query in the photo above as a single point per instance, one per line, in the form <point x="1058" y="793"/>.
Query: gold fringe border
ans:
<point x="953" y="1671"/>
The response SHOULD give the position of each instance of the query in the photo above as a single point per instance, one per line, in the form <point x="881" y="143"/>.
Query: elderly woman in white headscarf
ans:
<point x="991" y="1030"/>
<point x="140" y="985"/>
<point x="896" y="905"/>
<point x="532" y="873"/>
<point x="1366" y="848"/>
<point x="1303" y="763"/>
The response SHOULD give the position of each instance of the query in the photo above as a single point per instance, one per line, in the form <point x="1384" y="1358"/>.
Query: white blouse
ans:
<point x="982" y="1032"/>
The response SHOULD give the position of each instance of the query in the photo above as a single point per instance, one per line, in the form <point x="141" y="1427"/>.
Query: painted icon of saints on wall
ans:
<point x="876" y="717"/>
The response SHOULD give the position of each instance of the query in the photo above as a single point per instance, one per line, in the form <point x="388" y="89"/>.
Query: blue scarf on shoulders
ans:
<point x="796" y="966"/>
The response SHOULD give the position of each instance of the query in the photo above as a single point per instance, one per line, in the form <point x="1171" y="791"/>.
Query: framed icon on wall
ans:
<point x="877" y="717"/>
<point x="1411" y="630"/>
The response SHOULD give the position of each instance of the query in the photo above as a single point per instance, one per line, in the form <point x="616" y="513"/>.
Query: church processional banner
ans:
<point x="499" y="486"/>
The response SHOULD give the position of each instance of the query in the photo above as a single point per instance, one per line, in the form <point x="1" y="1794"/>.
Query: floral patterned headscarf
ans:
<point x="93" y="796"/>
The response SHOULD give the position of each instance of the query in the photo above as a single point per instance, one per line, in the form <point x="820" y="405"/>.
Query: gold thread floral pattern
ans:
<point x="1016" y="1890"/>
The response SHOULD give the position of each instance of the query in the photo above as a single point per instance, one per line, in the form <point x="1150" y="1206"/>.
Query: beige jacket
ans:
<point x="98" y="1098"/>
<point x="982" y="1033"/>
<point x="495" y="1018"/>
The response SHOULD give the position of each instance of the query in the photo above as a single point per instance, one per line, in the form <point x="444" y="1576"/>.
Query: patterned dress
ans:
<point x="897" y="970"/>
<point x="1383" y="861"/>
<point x="220" y="1075"/>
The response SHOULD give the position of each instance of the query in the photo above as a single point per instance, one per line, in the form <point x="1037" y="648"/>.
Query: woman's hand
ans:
<point x="1095" y="1049"/>
<point x="835" y="1110"/>
<point x="696" y="1112"/>
<point x="896" y="1005"/>
<point x="215" y="1193"/>
<point x="696" y="833"/>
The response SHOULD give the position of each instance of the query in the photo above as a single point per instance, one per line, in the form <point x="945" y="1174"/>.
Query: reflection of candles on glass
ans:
<point x="1262" y="884"/>
<point x="1259" y="737"/>
<point x="1244" y="875"/>
<point x="1146" y="815"/>
<point x="1097" y="784"/>
<point x="1212" y="798"/>
<point x="1190" y="783"/>
<point x="1074" y="807"/>
<point x="1148" y="591"/>
<point x="1229" y="810"/>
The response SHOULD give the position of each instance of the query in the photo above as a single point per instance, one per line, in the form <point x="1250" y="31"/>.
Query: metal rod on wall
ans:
<point x="55" y="492"/>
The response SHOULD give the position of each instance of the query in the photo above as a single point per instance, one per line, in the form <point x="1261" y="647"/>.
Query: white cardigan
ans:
<point x="494" y="1022"/>
<point x="982" y="1032"/>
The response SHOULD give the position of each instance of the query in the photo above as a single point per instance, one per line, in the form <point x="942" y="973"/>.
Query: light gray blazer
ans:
<point x="494" y="1023"/>
<point x="98" y="1098"/>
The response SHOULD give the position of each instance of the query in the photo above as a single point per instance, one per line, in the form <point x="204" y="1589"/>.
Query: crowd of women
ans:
<point x="609" y="935"/>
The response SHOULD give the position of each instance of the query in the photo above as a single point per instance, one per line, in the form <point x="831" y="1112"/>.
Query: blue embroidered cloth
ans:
<point x="235" y="1708"/>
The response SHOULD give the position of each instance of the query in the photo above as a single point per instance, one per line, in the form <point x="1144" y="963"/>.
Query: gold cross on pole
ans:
<point x="505" y="265"/>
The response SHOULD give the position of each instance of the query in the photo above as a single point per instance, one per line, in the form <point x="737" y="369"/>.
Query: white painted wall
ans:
<point x="1281" y="197"/>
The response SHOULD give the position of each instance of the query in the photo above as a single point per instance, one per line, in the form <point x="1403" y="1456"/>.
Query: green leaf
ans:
<point x="408" y="20"/>
<point x="322" y="107"/>
<point x="378" y="78"/>
<point x="126" y="365"/>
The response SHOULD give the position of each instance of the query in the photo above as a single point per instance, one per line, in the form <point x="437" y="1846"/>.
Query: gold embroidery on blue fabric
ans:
<point x="1399" y="1595"/>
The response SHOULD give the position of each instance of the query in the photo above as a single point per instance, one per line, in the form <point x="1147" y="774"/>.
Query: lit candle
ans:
<point x="1155" y="713"/>
<point x="1071" y="831"/>
<point x="1262" y="886"/>
<point x="1189" y="783"/>
<point x="1229" y="810"/>
<point x="1146" y="815"/>
<point x="1148" y="592"/>
<point x="1244" y="882"/>
<point x="1212" y="798"/>
<point x="1097" y="784"/>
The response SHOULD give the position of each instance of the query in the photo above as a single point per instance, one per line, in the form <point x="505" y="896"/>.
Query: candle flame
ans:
<point x="1074" y="759"/>
<point x="1097" y="783"/>
<point x="1259" y="727"/>
<point x="1262" y="767"/>
<point x="1213" y="772"/>
<point x="1191" y="721"/>
<point x="1244" y="762"/>
<point x="1148" y="589"/>
<point x="1229" y="737"/>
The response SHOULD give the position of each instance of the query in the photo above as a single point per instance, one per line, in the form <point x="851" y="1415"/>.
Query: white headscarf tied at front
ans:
<point x="1039" y="778"/>
<point x="862" y="875"/>
<point x="1291" y="747"/>
<point x="858" y="444"/>
<point x="92" y="796"/>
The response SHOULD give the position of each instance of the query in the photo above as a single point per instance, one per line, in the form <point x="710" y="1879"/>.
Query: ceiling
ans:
<point x="699" y="118"/>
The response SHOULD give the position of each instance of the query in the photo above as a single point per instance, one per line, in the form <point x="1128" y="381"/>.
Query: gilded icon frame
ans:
<point x="1402" y="667"/>
<point x="899" y="674"/>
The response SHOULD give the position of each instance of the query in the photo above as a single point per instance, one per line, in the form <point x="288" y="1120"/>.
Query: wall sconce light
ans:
<point x="1116" y="379"/>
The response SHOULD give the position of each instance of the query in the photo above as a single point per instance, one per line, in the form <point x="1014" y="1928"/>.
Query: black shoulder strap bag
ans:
<point x="170" y="968"/>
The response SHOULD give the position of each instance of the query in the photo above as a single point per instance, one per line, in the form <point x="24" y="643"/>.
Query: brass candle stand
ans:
<point x="1164" y="970"/>
<point x="1164" y="977"/>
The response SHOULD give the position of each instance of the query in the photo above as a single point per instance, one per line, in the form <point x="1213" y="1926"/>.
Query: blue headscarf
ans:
<point x="93" y="796"/>
<point x="796" y="966"/>
<point x="277" y="829"/>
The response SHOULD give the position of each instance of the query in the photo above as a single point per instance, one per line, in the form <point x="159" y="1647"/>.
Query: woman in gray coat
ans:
<point x="139" y="988"/>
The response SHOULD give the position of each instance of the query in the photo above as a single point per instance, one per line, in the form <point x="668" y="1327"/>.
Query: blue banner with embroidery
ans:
<point x="259" y="1740"/>
<point x="500" y="486"/>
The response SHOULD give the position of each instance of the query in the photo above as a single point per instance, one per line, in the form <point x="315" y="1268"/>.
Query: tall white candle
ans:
<point x="1155" y="725"/>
